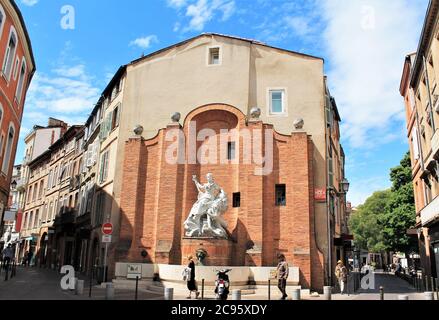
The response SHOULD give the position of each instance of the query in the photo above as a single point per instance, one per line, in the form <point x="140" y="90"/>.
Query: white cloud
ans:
<point x="29" y="3"/>
<point x="176" y="3"/>
<point x="366" y="43"/>
<point x="200" y="12"/>
<point x="144" y="42"/>
<point x="65" y="90"/>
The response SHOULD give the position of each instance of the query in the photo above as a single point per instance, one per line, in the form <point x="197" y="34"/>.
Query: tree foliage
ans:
<point x="381" y="223"/>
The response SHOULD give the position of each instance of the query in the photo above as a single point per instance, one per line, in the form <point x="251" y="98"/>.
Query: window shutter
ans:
<point x="328" y="111"/>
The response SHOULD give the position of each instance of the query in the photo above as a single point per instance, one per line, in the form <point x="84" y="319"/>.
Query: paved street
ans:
<point x="43" y="284"/>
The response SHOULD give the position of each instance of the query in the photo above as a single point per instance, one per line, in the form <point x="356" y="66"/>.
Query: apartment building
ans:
<point x="419" y="88"/>
<point x="198" y="79"/>
<point x="17" y="70"/>
<point x="123" y="177"/>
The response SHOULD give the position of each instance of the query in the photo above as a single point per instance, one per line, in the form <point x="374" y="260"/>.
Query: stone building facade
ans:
<point x="198" y="78"/>
<point x="16" y="72"/>
<point x="419" y="88"/>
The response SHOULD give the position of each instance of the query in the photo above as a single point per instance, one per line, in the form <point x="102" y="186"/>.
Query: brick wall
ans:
<point x="157" y="197"/>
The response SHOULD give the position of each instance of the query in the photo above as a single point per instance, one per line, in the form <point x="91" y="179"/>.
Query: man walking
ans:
<point x="282" y="275"/>
<point x="342" y="275"/>
<point x="8" y="255"/>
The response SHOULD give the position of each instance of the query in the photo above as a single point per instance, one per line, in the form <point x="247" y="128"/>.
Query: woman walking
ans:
<point x="190" y="278"/>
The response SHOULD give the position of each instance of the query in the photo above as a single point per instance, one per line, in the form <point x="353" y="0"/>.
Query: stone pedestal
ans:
<point x="219" y="251"/>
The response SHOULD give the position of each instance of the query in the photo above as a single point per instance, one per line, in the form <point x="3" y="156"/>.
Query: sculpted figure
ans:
<point x="205" y="218"/>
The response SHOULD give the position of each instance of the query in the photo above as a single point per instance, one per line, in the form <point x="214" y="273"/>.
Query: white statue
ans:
<point x="205" y="218"/>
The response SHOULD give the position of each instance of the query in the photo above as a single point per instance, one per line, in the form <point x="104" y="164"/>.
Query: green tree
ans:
<point x="365" y="222"/>
<point x="400" y="214"/>
<point x="381" y="223"/>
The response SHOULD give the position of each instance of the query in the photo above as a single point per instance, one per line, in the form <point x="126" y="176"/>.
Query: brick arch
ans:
<point x="214" y="117"/>
<point x="214" y="107"/>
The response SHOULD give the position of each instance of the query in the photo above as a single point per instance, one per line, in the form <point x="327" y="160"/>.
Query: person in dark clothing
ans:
<point x="190" y="278"/>
<point x="282" y="275"/>
<point x="29" y="257"/>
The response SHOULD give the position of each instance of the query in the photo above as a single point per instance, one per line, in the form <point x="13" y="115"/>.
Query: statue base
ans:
<point x="219" y="251"/>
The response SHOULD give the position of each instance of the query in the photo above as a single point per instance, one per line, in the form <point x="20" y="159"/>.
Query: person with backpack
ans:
<point x="189" y="277"/>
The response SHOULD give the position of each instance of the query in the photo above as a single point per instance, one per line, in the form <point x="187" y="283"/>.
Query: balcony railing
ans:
<point x="430" y="212"/>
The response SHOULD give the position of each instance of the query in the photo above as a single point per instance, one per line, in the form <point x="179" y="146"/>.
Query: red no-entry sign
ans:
<point x="107" y="228"/>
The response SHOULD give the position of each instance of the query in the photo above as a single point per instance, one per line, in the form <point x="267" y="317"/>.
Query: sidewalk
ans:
<point x="44" y="284"/>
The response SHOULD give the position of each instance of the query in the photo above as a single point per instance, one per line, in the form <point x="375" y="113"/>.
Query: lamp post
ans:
<point x="345" y="185"/>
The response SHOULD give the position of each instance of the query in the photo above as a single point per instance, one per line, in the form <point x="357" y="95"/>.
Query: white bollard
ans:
<point x="296" y="294"/>
<point x="236" y="295"/>
<point x="109" y="291"/>
<point x="327" y="293"/>
<point x="169" y="293"/>
<point x="79" y="287"/>
<point x="403" y="297"/>
<point x="429" y="295"/>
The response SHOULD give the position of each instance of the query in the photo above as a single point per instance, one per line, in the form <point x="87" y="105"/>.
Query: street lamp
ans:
<point x="345" y="185"/>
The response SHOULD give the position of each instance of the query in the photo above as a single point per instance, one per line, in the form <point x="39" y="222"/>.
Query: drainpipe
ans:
<point x="328" y="195"/>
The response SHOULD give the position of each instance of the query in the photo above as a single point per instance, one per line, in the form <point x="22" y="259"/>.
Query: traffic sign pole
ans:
<point x="107" y="230"/>
<point x="105" y="262"/>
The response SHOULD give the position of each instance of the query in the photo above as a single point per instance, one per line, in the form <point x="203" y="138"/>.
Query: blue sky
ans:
<point x="364" y="43"/>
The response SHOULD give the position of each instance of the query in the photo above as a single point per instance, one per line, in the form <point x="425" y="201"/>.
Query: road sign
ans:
<point x="107" y="229"/>
<point x="106" y="238"/>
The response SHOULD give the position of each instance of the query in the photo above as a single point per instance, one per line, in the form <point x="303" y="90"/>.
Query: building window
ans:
<point x="281" y="199"/>
<point x="10" y="54"/>
<point x="231" y="151"/>
<point x="21" y="78"/>
<point x="214" y="56"/>
<point x="115" y="118"/>
<point x="237" y="200"/>
<point x="99" y="209"/>
<point x="2" y="19"/>
<point x="50" y="217"/>
<point x="277" y="101"/>
<point x="55" y="177"/>
<point x="103" y="173"/>
<point x="34" y="197"/>
<point x="8" y="152"/>
<point x="40" y="194"/>
<point x="17" y="64"/>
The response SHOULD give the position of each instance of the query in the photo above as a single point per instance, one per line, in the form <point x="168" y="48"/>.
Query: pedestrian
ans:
<point x="29" y="257"/>
<point x="342" y="275"/>
<point x="24" y="261"/>
<point x="8" y="255"/>
<point x="189" y="277"/>
<point x="282" y="275"/>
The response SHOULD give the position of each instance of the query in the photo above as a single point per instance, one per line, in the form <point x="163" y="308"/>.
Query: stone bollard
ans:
<point x="236" y="295"/>
<point x="295" y="294"/>
<point x="429" y="295"/>
<point x="327" y="293"/>
<point x="169" y="293"/>
<point x="403" y="297"/>
<point x="79" y="286"/>
<point x="109" y="291"/>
